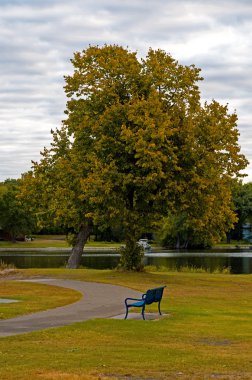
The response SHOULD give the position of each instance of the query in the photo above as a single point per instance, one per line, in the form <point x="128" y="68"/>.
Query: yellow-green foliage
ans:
<point x="137" y="144"/>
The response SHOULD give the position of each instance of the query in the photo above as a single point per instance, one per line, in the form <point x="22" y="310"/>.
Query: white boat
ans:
<point x="144" y="243"/>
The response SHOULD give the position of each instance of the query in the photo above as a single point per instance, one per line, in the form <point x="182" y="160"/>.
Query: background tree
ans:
<point x="15" y="219"/>
<point x="137" y="145"/>
<point x="242" y="197"/>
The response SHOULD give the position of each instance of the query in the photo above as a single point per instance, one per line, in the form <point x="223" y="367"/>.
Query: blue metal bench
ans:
<point x="151" y="296"/>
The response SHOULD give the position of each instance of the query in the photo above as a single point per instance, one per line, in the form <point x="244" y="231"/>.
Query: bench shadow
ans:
<point x="138" y="316"/>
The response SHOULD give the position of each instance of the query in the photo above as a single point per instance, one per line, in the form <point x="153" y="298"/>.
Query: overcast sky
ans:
<point x="38" y="38"/>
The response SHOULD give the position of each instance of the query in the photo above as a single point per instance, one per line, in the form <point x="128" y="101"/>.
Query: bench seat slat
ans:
<point x="137" y="304"/>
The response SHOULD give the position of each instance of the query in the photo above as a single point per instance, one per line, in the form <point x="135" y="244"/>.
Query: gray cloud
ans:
<point x="38" y="38"/>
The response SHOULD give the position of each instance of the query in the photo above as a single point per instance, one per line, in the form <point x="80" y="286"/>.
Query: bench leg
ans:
<point x="159" y="308"/>
<point x="143" y="312"/>
<point x="126" y="315"/>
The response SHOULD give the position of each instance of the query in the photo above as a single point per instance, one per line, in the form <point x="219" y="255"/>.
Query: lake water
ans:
<point x="239" y="261"/>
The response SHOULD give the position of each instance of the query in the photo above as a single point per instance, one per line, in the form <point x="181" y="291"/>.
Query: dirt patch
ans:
<point x="10" y="274"/>
<point x="181" y="376"/>
<point x="214" y="342"/>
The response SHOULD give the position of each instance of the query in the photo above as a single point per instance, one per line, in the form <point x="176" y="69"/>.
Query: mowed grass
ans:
<point x="33" y="297"/>
<point x="48" y="241"/>
<point x="53" y="241"/>
<point x="207" y="334"/>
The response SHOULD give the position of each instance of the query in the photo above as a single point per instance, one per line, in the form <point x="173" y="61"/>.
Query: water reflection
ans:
<point x="236" y="265"/>
<point x="238" y="261"/>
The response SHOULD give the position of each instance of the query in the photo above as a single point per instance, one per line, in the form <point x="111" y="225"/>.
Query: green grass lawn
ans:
<point x="33" y="297"/>
<point x="59" y="241"/>
<point x="206" y="335"/>
<point x="52" y="241"/>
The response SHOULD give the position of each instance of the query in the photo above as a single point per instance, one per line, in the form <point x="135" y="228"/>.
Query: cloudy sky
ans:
<point x="38" y="38"/>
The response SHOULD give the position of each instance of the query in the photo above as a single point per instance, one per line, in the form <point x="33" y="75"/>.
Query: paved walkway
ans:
<point x="98" y="301"/>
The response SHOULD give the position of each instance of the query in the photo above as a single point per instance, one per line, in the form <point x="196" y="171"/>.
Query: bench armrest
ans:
<point x="132" y="299"/>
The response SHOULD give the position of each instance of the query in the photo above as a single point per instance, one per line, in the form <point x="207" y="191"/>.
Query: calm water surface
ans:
<point x="239" y="261"/>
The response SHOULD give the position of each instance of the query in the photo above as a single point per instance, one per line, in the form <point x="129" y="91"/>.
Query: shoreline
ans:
<point x="102" y="248"/>
<point x="55" y="249"/>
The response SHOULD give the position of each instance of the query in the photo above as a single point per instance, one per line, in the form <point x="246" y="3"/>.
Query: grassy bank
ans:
<point x="51" y="241"/>
<point x="59" y="241"/>
<point x="206" y="335"/>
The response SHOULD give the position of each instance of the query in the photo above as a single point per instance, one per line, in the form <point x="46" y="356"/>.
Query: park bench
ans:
<point x="151" y="296"/>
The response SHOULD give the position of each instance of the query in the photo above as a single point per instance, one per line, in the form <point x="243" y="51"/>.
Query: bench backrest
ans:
<point x="154" y="295"/>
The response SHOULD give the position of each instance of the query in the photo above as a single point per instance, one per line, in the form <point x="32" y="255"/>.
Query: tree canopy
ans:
<point x="137" y="145"/>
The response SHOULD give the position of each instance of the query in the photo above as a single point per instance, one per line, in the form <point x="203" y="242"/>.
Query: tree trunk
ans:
<point x="228" y="237"/>
<point x="77" y="251"/>
<point x="185" y="244"/>
<point x="13" y="238"/>
<point x="178" y="241"/>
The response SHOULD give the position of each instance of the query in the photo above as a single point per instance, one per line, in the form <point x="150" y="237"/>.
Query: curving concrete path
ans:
<point x="98" y="301"/>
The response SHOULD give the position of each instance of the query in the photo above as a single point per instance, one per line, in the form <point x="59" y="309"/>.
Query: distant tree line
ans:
<point x="17" y="221"/>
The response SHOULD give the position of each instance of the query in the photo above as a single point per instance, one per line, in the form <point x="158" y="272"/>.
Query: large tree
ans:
<point x="136" y="145"/>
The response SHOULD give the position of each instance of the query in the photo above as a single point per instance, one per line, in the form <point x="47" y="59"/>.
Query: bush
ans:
<point x="131" y="257"/>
